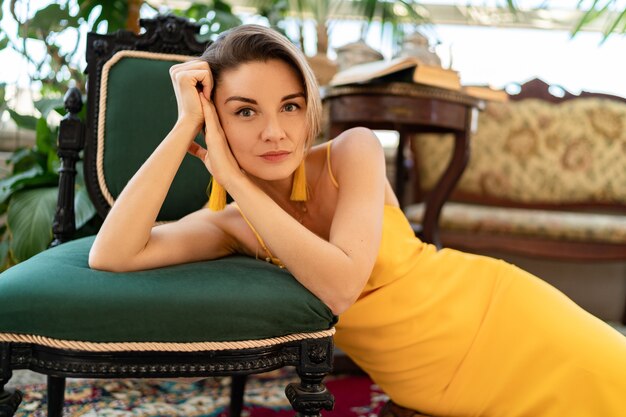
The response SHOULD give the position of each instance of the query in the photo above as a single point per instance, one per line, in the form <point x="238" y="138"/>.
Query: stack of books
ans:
<point x="409" y="69"/>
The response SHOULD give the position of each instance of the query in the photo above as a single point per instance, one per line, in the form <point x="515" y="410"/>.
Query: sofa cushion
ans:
<point x="56" y="295"/>
<point x="557" y="225"/>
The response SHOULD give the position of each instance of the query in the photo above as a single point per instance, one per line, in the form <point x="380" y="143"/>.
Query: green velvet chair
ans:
<point x="230" y="317"/>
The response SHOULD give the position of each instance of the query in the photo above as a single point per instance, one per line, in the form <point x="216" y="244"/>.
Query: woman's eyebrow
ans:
<point x="252" y="101"/>
<point x="295" y="95"/>
<point x="239" y="98"/>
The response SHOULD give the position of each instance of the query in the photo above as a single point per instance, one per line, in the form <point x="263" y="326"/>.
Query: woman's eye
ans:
<point x="289" y="107"/>
<point x="246" y="112"/>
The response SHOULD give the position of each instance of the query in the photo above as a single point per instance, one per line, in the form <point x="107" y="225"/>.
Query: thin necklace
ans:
<point x="300" y="208"/>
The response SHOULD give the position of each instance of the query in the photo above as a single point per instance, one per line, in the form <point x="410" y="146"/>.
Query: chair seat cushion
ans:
<point x="56" y="295"/>
<point x="546" y="224"/>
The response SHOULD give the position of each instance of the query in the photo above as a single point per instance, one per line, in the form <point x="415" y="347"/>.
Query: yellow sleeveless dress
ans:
<point x="454" y="334"/>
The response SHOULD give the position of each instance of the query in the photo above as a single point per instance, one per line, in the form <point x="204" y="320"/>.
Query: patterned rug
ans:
<point x="355" y="396"/>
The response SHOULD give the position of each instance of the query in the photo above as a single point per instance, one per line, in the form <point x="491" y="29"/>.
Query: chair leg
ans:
<point x="10" y="399"/>
<point x="56" y="396"/>
<point x="237" y="389"/>
<point x="309" y="396"/>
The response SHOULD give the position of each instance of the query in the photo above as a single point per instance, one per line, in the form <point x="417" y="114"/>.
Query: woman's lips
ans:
<point x="275" y="156"/>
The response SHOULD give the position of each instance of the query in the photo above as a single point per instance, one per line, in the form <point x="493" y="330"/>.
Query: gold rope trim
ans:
<point x="103" y="101"/>
<point x="159" y="346"/>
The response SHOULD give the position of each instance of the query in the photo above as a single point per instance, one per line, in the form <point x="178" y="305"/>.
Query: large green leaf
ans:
<point x="84" y="209"/>
<point x="54" y="162"/>
<point x="43" y="134"/>
<point x="23" y="121"/>
<point x="46" y="105"/>
<point x="52" y="18"/>
<point x="33" y="178"/>
<point x="23" y="159"/>
<point x="10" y="184"/>
<point x="4" y="254"/>
<point x="29" y="218"/>
<point x="113" y="12"/>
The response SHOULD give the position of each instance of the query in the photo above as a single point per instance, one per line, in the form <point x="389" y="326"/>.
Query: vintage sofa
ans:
<point x="546" y="177"/>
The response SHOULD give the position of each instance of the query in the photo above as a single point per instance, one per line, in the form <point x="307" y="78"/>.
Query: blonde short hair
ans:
<point x="248" y="43"/>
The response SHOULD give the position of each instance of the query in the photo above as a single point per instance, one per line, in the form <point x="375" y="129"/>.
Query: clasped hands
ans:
<point x="193" y="84"/>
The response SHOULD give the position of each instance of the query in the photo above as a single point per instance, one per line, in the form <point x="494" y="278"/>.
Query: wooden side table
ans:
<point x="408" y="109"/>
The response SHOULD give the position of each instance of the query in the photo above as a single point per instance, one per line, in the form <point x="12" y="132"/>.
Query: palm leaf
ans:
<point x="29" y="217"/>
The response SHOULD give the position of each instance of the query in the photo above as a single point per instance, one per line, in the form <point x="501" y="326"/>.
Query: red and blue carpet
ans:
<point x="355" y="396"/>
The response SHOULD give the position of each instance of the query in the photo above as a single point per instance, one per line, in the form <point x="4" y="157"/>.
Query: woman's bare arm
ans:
<point x="127" y="240"/>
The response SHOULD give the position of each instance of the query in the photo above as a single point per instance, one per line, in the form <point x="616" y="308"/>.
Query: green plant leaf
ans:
<point x="29" y="219"/>
<point x="54" y="18"/>
<point x="4" y="41"/>
<point x="113" y="12"/>
<point x="22" y="160"/>
<point x="2" y="94"/>
<point x="43" y="133"/>
<point x="4" y="254"/>
<point x="54" y="163"/>
<point x="23" y="121"/>
<point x="10" y="184"/>
<point x="46" y="179"/>
<point x="612" y="27"/>
<point x="33" y="178"/>
<point x="84" y="209"/>
<point x="46" y="105"/>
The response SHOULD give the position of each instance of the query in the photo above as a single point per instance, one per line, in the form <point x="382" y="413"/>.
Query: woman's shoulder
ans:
<point x="358" y="145"/>
<point x="355" y="141"/>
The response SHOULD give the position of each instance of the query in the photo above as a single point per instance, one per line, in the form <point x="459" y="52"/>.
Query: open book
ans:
<point x="403" y="69"/>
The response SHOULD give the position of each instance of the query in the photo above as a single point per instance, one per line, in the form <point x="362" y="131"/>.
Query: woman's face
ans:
<point x="262" y="109"/>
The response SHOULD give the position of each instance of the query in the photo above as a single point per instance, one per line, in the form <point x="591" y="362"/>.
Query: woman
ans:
<point x="444" y="332"/>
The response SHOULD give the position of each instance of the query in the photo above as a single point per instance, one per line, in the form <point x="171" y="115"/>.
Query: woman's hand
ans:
<point x="217" y="156"/>
<point x="190" y="80"/>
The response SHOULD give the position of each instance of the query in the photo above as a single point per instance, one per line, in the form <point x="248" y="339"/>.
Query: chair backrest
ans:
<point x="132" y="107"/>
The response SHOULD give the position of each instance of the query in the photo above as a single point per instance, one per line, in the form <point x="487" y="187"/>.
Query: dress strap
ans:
<point x="330" y="169"/>
<point x="269" y="258"/>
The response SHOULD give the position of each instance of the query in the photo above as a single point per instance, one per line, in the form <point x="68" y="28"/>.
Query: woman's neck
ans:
<point x="279" y="190"/>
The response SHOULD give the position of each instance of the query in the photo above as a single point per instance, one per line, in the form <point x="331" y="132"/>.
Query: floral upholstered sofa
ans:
<point x="546" y="177"/>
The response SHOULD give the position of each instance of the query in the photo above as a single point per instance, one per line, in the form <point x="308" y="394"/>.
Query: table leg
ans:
<point x="401" y="172"/>
<point x="440" y="193"/>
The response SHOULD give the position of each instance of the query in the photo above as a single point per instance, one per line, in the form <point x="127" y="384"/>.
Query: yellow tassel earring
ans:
<point x="217" y="196"/>
<point x="298" y="188"/>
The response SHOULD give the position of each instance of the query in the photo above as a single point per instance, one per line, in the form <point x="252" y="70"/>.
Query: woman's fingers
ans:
<point x="199" y="70"/>
<point x="195" y="64"/>
<point x="210" y="115"/>
<point x="186" y="85"/>
<point x="193" y="77"/>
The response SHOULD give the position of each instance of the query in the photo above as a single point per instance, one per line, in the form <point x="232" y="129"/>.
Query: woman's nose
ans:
<point x="273" y="130"/>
